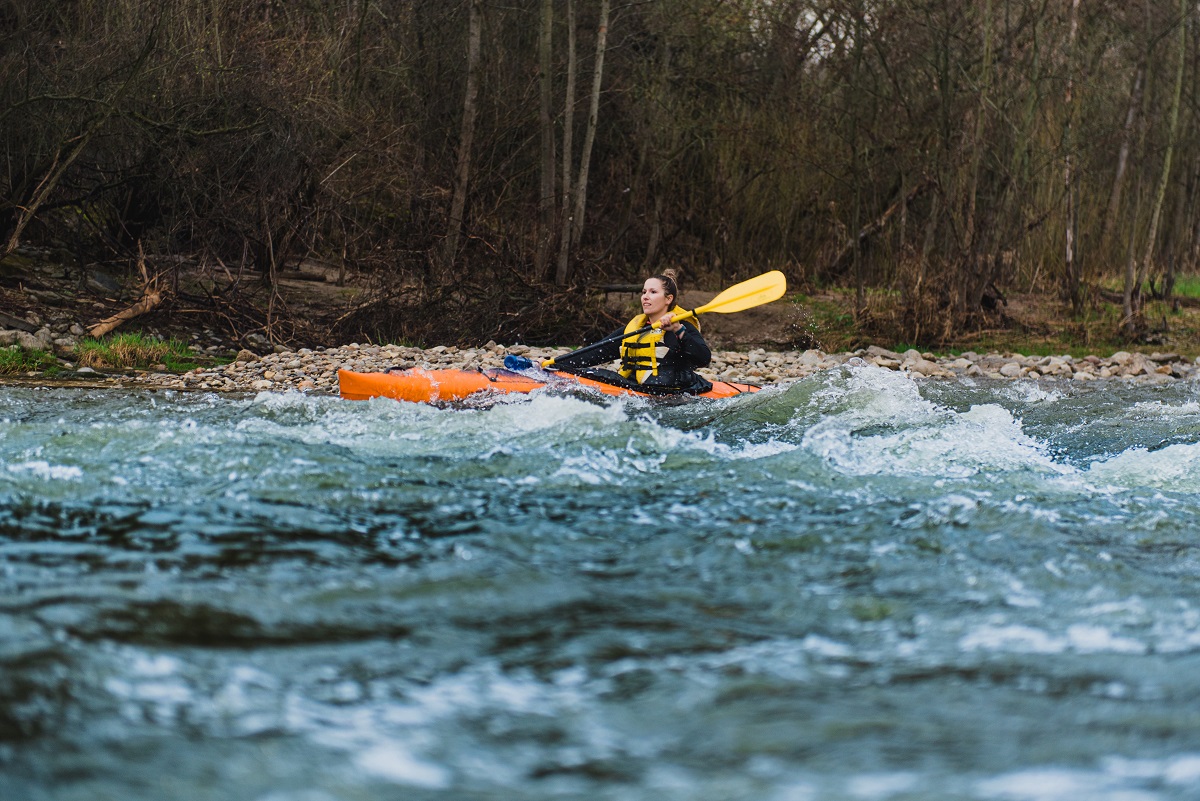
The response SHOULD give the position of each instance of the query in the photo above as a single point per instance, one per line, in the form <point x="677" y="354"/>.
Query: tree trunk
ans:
<point x="655" y="234"/>
<point x="546" y="197"/>
<point x="1136" y="322"/>
<point x="1114" y="200"/>
<point x="589" y="136"/>
<point x="1071" y="270"/>
<point x="1192" y="219"/>
<point x="1131" y="297"/>
<point x="1191" y="224"/>
<point x="458" y="204"/>
<point x="860" y="291"/>
<point x="975" y="277"/>
<point x="563" y="271"/>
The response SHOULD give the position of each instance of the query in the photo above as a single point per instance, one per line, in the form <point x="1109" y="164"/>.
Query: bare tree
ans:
<point x="1071" y="271"/>
<point x="562" y="273"/>
<point x="1127" y="134"/>
<point x="546" y="196"/>
<point x="68" y="151"/>
<point x="589" y="138"/>
<point x="1133" y="302"/>
<point x="466" y="138"/>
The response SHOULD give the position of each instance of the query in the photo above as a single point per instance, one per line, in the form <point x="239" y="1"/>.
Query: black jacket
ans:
<point x="676" y="370"/>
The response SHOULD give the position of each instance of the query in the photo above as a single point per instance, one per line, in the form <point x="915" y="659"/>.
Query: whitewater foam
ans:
<point x="1175" y="468"/>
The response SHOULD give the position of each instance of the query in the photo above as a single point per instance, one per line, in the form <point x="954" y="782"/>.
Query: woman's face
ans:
<point x="655" y="301"/>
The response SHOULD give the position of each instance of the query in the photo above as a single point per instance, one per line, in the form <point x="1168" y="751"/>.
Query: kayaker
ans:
<point x="661" y="361"/>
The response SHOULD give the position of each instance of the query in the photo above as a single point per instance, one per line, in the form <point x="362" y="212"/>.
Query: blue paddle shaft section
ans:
<point x="517" y="362"/>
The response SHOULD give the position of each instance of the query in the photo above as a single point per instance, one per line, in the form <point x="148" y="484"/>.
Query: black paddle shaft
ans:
<point x="595" y="346"/>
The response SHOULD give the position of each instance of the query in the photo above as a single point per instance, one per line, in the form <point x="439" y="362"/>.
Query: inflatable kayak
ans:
<point x="431" y="386"/>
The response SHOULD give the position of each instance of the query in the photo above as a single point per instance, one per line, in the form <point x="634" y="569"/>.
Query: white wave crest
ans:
<point x="1029" y="392"/>
<point x="872" y="393"/>
<point x="1079" y="638"/>
<point x="940" y="442"/>
<point x="1175" y="468"/>
<point x="47" y="471"/>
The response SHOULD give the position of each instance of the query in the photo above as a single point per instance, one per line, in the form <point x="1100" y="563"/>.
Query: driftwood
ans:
<point x="152" y="295"/>
<point x="149" y="301"/>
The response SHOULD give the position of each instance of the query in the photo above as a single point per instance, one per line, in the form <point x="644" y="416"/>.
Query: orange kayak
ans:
<point x="429" y="386"/>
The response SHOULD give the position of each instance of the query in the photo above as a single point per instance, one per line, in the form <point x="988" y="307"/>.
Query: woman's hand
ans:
<point x="667" y="323"/>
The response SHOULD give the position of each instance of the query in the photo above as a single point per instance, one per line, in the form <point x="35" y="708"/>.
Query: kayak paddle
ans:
<point x="739" y="297"/>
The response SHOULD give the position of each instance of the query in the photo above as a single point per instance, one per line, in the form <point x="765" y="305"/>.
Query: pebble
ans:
<point x="315" y="371"/>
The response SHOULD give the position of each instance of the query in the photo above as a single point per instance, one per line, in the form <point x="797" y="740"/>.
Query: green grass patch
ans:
<point x="177" y="364"/>
<point x="17" y="360"/>
<point x="1188" y="286"/>
<point x="1034" y="325"/>
<point x="134" y="350"/>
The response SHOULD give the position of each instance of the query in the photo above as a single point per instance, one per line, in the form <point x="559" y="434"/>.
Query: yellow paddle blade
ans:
<point x="748" y="294"/>
<point x="739" y="297"/>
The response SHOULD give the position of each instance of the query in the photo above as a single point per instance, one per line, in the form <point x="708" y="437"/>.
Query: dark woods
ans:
<point x="485" y="165"/>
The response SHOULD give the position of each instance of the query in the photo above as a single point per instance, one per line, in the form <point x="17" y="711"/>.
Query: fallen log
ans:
<point x="152" y="296"/>
<point x="149" y="301"/>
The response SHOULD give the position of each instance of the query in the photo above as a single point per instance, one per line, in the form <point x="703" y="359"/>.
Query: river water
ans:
<point x="857" y="587"/>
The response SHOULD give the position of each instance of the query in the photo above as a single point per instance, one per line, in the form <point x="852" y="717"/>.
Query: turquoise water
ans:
<point x="857" y="587"/>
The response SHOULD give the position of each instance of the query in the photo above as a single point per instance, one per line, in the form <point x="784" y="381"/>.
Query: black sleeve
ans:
<point x="606" y="353"/>
<point x="692" y="347"/>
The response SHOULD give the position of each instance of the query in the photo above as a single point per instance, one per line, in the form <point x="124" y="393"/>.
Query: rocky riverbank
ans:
<point x="315" y="371"/>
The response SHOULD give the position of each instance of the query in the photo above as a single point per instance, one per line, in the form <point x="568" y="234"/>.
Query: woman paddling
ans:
<point x="661" y="361"/>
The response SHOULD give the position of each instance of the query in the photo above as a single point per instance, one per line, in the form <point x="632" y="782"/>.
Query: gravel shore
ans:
<point x="315" y="371"/>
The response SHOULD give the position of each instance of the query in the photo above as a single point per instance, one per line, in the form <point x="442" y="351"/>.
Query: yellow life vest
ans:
<point x="640" y="355"/>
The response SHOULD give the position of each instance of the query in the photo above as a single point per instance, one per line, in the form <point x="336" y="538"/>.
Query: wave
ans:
<point x="850" y="430"/>
<point x="1175" y="468"/>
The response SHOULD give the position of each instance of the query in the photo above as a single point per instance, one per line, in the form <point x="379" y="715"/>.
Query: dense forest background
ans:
<point x="488" y="164"/>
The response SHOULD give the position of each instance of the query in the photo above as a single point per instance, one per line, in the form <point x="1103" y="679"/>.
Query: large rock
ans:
<point x="884" y="353"/>
<point x="810" y="358"/>
<point x="924" y="367"/>
<point x="1141" y="365"/>
<point x="42" y="340"/>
